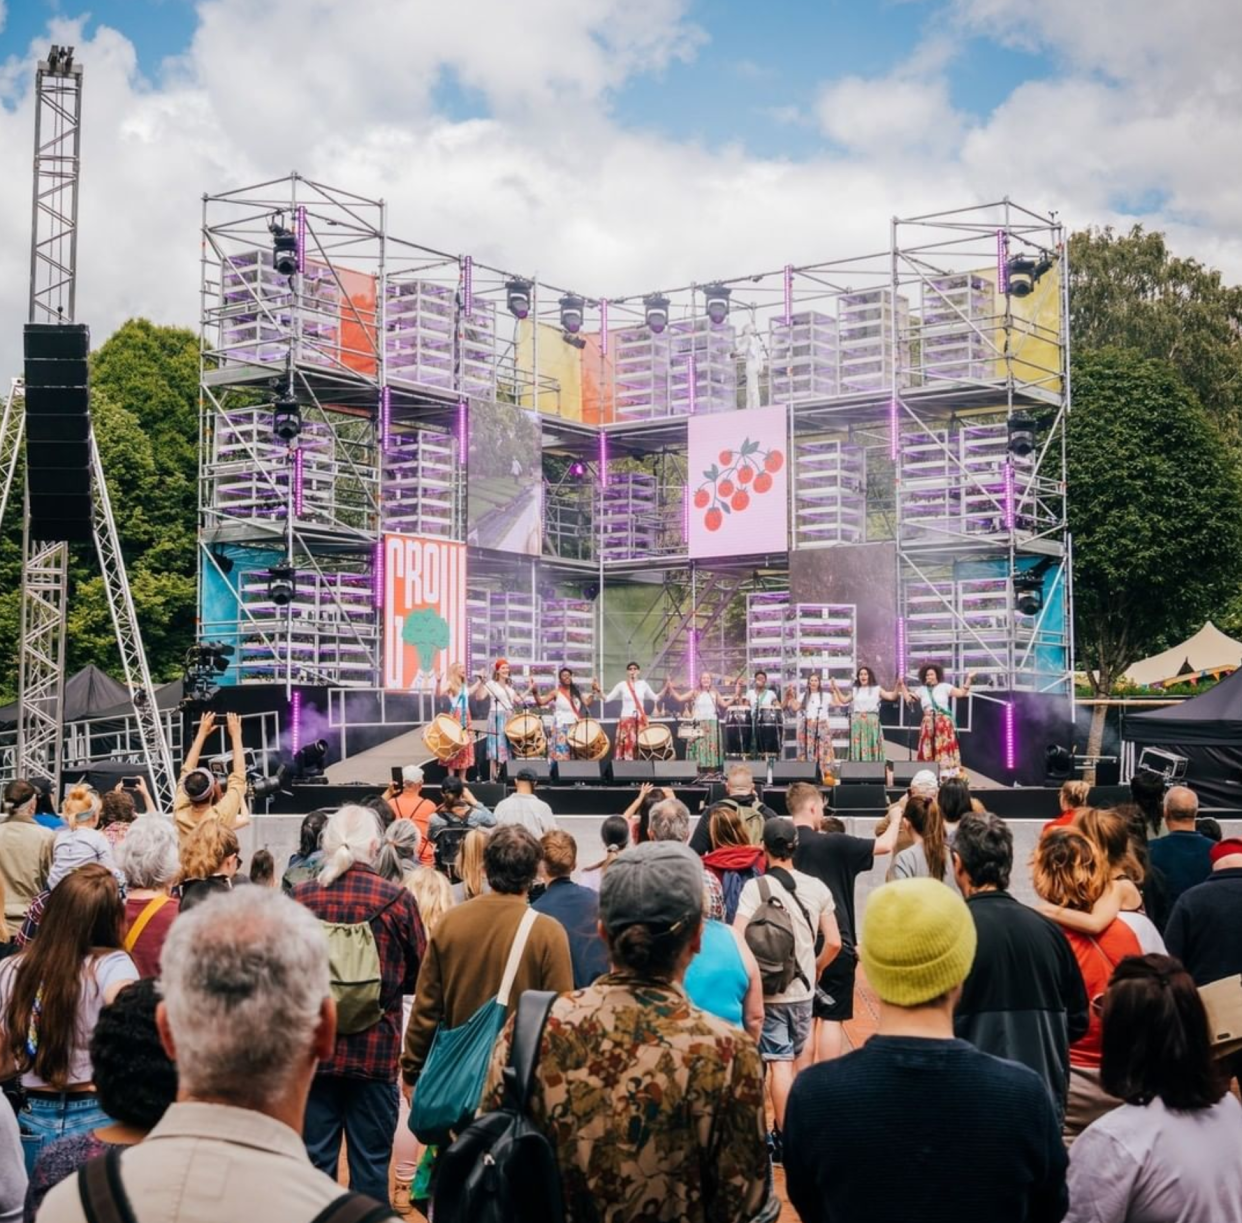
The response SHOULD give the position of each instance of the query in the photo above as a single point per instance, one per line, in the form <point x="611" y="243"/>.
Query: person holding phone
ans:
<point x="404" y="797"/>
<point x="199" y="796"/>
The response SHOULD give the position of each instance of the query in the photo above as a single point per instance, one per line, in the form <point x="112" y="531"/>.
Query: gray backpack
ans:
<point x="770" y="935"/>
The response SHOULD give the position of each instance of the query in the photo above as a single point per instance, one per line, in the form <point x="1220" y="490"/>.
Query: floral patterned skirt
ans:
<point x="558" y="744"/>
<point x="938" y="741"/>
<point x="815" y="739"/>
<point x="626" y="745"/>
<point x="866" y="740"/>
<point x="706" y="750"/>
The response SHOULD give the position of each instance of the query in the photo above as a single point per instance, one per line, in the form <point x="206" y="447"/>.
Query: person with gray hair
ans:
<point x="247" y="1012"/>
<point x="151" y="861"/>
<point x="1183" y="855"/>
<point x="669" y="820"/>
<point x="398" y="854"/>
<point x="355" y="1087"/>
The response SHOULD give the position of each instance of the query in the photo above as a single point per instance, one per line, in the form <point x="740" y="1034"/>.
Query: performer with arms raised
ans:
<point x="504" y="702"/>
<point x="705" y="702"/>
<point x="569" y="706"/>
<point x="814" y="728"/>
<point x="866" y="741"/>
<point x="938" y="733"/>
<point x="454" y="688"/>
<point x="631" y="692"/>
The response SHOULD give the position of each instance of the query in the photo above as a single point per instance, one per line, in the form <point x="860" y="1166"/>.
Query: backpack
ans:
<point x="752" y="818"/>
<point x="731" y="885"/>
<point x="448" y="844"/>
<point x="770" y="936"/>
<point x="355" y="973"/>
<point x="104" y="1199"/>
<point x="503" y="1169"/>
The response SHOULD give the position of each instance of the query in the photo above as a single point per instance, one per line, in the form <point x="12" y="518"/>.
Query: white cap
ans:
<point x="925" y="784"/>
<point x="412" y="775"/>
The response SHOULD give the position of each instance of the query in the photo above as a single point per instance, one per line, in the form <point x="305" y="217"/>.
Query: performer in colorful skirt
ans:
<point x="814" y="728"/>
<point x="569" y="707"/>
<point x="631" y="692"/>
<point x="454" y="688"/>
<point x="866" y="739"/>
<point x="504" y="702"/>
<point x="938" y="732"/>
<point x="705" y="702"/>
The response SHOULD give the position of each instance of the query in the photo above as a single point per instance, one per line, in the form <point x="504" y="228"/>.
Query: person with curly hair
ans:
<point x="135" y="1081"/>
<point x="210" y="858"/>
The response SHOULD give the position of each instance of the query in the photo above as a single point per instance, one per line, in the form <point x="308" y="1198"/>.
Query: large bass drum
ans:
<point x="587" y="740"/>
<point x="655" y="743"/>
<point x="526" y="738"/>
<point x="445" y="737"/>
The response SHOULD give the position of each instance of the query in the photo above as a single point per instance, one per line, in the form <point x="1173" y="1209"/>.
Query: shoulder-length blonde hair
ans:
<point x="206" y="848"/>
<point x="1069" y="870"/>
<point x="470" y="863"/>
<point x="432" y="893"/>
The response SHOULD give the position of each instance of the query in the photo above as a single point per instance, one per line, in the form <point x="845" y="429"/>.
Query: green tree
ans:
<point x="1155" y="508"/>
<point x="1130" y="291"/>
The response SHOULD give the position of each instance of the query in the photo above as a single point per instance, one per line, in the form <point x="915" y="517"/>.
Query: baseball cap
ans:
<point x="657" y="883"/>
<point x="1225" y="849"/>
<point x="918" y="941"/>
<point x="412" y="775"/>
<point x="925" y="784"/>
<point x="527" y="775"/>
<point x="780" y="837"/>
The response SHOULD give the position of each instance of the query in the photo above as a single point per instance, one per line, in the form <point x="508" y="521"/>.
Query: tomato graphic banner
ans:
<point x="423" y="594"/>
<point x="739" y="483"/>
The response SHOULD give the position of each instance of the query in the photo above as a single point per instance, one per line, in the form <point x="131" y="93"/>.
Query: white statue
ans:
<point x="752" y="351"/>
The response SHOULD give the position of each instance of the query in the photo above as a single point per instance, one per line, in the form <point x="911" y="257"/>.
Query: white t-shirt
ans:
<point x="942" y="694"/>
<point x="532" y="813"/>
<point x="1159" y="1166"/>
<point x="1149" y="939"/>
<point x="816" y="899"/>
<point x="866" y="700"/>
<point x="761" y="700"/>
<point x="705" y="706"/>
<point x="563" y="710"/>
<point x="99" y="974"/>
<point x="621" y="692"/>
<point x="818" y="706"/>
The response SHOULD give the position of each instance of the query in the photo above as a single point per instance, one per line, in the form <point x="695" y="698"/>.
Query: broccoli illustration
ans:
<point x="427" y="631"/>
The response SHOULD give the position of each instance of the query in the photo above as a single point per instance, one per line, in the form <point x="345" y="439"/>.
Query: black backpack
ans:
<point x="770" y="936"/>
<point x="104" y="1199"/>
<point x="447" y="843"/>
<point x="502" y="1169"/>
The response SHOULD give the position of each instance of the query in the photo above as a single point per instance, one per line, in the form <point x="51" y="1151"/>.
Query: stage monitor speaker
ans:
<point x="858" y="798"/>
<point x="1108" y="772"/>
<point x="632" y="770"/>
<point x="904" y="771"/>
<point x="1108" y="796"/>
<point x="785" y="771"/>
<point x="542" y="769"/>
<point x="861" y="772"/>
<point x="58" y="429"/>
<point x="578" y="770"/>
<point x="686" y="771"/>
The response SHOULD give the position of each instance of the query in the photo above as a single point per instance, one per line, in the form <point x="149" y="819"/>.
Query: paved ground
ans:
<point x="863" y="1025"/>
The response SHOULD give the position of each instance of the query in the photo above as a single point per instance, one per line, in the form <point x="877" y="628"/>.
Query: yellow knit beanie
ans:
<point x="918" y="941"/>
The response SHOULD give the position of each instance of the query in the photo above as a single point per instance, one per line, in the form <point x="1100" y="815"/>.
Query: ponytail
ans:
<point x="926" y="820"/>
<point x="335" y="866"/>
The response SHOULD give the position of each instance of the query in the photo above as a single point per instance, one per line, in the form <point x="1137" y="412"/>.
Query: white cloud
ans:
<point x="554" y="182"/>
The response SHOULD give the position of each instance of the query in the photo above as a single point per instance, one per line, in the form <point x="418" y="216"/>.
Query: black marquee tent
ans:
<point x="1207" y="730"/>
<point x="88" y="694"/>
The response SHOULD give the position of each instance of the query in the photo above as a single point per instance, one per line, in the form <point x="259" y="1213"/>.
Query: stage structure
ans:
<point x="357" y="386"/>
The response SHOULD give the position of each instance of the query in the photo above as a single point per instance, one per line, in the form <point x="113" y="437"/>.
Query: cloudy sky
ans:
<point x="621" y="144"/>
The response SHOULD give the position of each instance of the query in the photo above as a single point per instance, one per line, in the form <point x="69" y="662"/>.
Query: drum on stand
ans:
<point x="587" y="740"/>
<point x="445" y="737"/>
<point x="655" y="743"/>
<point x="768" y="728"/>
<point x="737" y="731"/>
<point x="525" y="734"/>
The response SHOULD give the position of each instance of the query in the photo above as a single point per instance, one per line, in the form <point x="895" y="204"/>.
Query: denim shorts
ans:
<point x="45" y="1120"/>
<point x="786" y="1026"/>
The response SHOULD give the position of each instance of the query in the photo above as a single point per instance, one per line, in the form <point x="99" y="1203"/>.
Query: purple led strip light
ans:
<point x="467" y="285"/>
<point x="1011" y="736"/>
<point x="1002" y="261"/>
<point x="463" y="430"/>
<point x="385" y="420"/>
<point x="892" y="428"/>
<point x="603" y="459"/>
<point x="300" y="233"/>
<point x="788" y="294"/>
<point x="299" y="498"/>
<point x="377" y="576"/>
<point x="603" y="326"/>
<point x="1010" y="517"/>
<point x="295" y="720"/>
<point x="901" y="646"/>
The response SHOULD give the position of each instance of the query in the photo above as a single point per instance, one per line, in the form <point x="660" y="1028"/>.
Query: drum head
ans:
<point x="450" y="729"/>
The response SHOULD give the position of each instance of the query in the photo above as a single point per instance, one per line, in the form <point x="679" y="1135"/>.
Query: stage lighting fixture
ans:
<point x="577" y="470"/>
<point x="572" y="307"/>
<point x="223" y="561"/>
<point x="1028" y="592"/>
<point x="284" y="247"/>
<point x="1023" y="272"/>
<point x="517" y="296"/>
<point x="1058" y="762"/>
<point x="716" y="297"/>
<point x="203" y="661"/>
<point x="262" y="788"/>
<point x="309" y="760"/>
<point x="574" y="341"/>
<point x="655" y="306"/>
<point x="286" y="419"/>
<point x="281" y="585"/>
<point x="1021" y="430"/>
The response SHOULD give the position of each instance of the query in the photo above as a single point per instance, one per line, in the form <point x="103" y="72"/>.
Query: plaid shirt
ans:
<point x="359" y="895"/>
